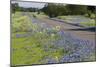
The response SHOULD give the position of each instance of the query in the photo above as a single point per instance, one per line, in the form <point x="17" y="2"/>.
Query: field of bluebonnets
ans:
<point x="53" y="33"/>
<point x="34" y="42"/>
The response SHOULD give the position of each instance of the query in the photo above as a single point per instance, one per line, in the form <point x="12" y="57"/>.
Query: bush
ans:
<point x="34" y="15"/>
<point x="93" y="16"/>
<point x="62" y="17"/>
<point x="54" y="10"/>
<point x="21" y="24"/>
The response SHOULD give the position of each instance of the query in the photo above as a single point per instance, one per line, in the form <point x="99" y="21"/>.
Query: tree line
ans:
<point x="54" y="10"/>
<point x="15" y="7"/>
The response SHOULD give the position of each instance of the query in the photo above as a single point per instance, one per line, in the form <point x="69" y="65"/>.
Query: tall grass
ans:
<point x="21" y="23"/>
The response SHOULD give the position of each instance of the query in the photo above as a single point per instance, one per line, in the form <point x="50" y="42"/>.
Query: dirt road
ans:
<point x="88" y="35"/>
<point x="83" y="34"/>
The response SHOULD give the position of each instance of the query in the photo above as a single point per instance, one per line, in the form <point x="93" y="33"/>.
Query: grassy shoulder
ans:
<point x="89" y="23"/>
<point x="32" y="49"/>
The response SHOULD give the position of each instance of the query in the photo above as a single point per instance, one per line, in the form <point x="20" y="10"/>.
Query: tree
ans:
<point x="14" y="6"/>
<point x="53" y="10"/>
<point x="77" y="9"/>
<point x="91" y="10"/>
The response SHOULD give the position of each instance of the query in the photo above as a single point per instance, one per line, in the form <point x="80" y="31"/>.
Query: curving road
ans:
<point x="83" y="41"/>
<point x="73" y="29"/>
<point x="78" y="31"/>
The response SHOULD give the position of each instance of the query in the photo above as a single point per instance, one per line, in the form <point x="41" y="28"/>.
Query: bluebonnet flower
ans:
<point x="18" y="35"/>
<point x="61" y="32"/>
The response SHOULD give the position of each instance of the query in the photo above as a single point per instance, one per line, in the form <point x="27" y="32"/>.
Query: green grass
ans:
<point x="31" y="50"/>
<point x="20" y="23"/>
<point x="86" y="24"/>
<point x="35" y="48"/>
<point x="89" y="24"/>
<point x="67" y="17"/>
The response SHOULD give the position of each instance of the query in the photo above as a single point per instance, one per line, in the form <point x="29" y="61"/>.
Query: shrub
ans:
<point x="93" y="16"/>
<point x="34" y="15"/>
<point x="21" y="24"/>
<point x="62" y="17"/>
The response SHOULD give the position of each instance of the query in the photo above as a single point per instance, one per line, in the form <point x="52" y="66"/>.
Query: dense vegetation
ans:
<point x="35" y="42"/>
<point x="54" y="10"/>
<point x="15" y="7"/>
<point x="44" y="44"/>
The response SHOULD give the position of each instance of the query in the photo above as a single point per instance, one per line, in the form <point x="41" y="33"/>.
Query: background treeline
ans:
<point x="15" y="7"/>
<point x="54" y="10"/>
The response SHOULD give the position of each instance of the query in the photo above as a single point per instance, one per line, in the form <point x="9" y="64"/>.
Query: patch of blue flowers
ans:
<point x="74" y="49"/>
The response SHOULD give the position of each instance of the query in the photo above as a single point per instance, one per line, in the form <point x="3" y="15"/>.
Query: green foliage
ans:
<point x="41" y="15"/>
<point x="34" y="15"/>
<point x="62" y="17"/>
<point x="21" y="23"/>
<point x="15" y="7"/>
<point x="53" y="10"/>
<point x="31" y="50"/>
<point x="89" y="24"/>
<point x="93" y="16"/>
<point x="34" y="48"/>
<point x="77" y="9"/>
